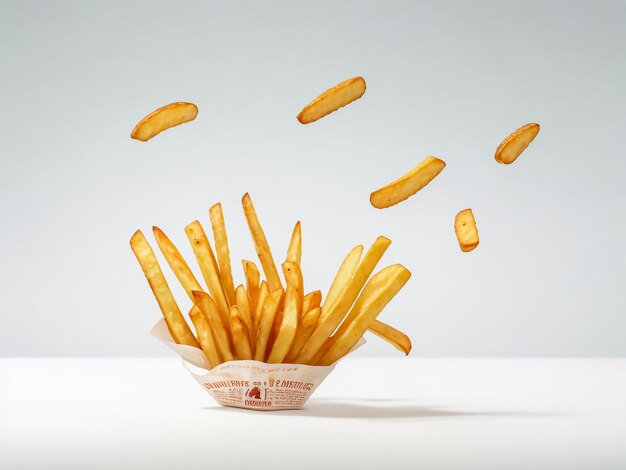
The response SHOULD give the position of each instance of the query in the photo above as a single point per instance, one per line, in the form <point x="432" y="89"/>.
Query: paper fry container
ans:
<point x="249" y="384"/>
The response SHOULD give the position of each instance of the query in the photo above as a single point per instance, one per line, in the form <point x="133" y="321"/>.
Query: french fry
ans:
<point x="266" y="321"/>
<point x="219" y="329"/>
<point x="466" y="231"/>
<point x="332" y="99"/>
<point x="240" y="334"/>
<point x="294" y="253"/>
<point x="178" y="327"/>
<point x="222" y="251"/>
<point x="253" y="277"/>
<point x="260" y="242"/>
<point x="205" y="337"/>
<point x="310" y="301"/>
<point x="177" y="263"/>
<point x="264" y="292"/>
<point x="377" y="293"/>
<point x="385" y="332"/>
<point x="328" y="323"/>
<point x="208" y="267"/>
<point x="513" y="146"/>
<point x="305" y="329"/>
<point x="243" y="305"/>
<point x="291" y="313"/>
<point x="167" y="116"/>
<point x="394" y="337"/>
<point x="343" y="276"/>
<point x="408" y="184"/>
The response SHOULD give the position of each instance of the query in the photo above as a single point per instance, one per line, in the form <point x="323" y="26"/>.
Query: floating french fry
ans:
<point x="466" y="231"/>
<point x="513" y="146"/>
<point x="407" y="185"/>
<point x="170" y="115"/>
<point x="393" y="336"/>
<point x="332" y="99"/>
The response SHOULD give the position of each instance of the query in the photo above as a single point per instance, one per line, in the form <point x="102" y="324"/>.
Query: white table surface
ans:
<point x="369" y="413"/>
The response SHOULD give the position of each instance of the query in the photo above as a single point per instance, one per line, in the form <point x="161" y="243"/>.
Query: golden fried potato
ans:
<point x="260" y="243"/>
<point x="337" y="311"/>
<point x="332" y="99"/>
<point x="291" y="313"/>
<point x="377" y="293"/>
<point x="178" y="327"/>
<point x="205" y="337"/>
<point x="167" y="116"/>
<point x="393" y="336"/>
<point x="408" y="184"/>
<point x="266" y="322"/>
<point x="240" y="335"/>
<point x="177" y="263"/>
<point x="222" y="251"/>
<point x="465" y="229"/>
<point x="294" y="252"/>
<point x="513" y="146"/>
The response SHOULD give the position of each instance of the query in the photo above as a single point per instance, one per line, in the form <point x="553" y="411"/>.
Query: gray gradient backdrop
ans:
<point x="450" y="79"/>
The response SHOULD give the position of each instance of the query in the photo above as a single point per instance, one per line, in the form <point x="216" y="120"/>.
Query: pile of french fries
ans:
<point x="267" y="320"/>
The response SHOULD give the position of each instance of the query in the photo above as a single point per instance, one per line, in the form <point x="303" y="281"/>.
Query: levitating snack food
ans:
<point x="466" y="231"/>
<point x="170" y="115"/>
<point x="408" y="184"/>
<point x="332" y="99"/>
<point x="513" y="146"/>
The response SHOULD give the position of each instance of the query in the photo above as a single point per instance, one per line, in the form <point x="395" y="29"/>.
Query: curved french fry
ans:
<point x="408" y="184"/>
<point x="167" y="116"/>
<point x="332" y="99"/>
<point x="393" y="336"/>
<point x="513" y="146"/>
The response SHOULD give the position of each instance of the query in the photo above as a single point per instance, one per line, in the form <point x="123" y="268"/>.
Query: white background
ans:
<point x="450" y="79"/>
